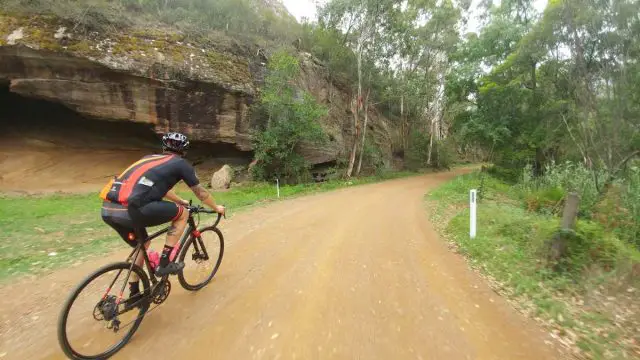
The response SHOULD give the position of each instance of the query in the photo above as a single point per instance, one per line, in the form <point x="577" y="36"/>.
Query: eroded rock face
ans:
<point x="205" y="111"/>
<point x="199" y="91"/>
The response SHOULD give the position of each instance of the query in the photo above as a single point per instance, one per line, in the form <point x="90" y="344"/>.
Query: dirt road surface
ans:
<point x="357" y="273"/>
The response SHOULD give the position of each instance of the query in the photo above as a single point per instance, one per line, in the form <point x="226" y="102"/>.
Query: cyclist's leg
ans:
<point x="117" y="217"/>
<point x="157" y="213"/>
<point x="139" y="233"/>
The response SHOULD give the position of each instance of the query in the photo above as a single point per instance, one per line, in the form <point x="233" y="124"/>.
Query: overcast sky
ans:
<point x="301" y="8"/>
<point x="307" y="8"/>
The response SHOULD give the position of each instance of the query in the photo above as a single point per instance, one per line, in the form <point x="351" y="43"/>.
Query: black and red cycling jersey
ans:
<point x="148" y="180"/>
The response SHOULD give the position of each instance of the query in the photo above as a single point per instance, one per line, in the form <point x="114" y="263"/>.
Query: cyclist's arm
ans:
<point x="203" y="195"/>
<point x="190" y="178"/>
<point x="172" y="196"/>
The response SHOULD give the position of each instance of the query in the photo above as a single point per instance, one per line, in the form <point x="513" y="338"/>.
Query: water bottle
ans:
<point x="154" y="258"/>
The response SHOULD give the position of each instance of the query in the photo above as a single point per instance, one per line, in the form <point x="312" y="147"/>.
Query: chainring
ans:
<point x="162" y="293"/>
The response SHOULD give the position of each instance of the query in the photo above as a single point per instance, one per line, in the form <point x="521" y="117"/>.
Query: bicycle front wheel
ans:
<point x="93" y="324"/>
<point x="202" y="256"/>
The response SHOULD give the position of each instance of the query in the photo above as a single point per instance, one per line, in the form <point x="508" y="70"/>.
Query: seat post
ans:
<point x="141" y="235"/>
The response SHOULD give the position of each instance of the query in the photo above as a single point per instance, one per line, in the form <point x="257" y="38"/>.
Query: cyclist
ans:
<point x="134" y="201"/>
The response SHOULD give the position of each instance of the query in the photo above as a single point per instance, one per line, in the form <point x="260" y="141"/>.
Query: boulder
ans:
<point x="221" y="179"/>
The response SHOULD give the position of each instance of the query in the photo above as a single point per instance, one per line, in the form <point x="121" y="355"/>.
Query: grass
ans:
<point x="583" y="304"/>
<point x="41" y="233"/>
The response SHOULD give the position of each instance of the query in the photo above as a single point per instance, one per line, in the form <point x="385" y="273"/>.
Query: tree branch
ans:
<point x="582" y="151"/>
<point x="613" y="174"/>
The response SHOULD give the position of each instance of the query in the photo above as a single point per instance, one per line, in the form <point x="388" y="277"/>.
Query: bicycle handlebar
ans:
<point x="201" y="209"/>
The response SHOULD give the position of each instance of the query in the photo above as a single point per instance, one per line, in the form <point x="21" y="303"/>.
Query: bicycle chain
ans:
<point x="139" y="316"/>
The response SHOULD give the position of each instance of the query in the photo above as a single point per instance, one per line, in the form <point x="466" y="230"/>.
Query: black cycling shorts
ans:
<point x="134" y="220"/>
<point x="155" y="213"/>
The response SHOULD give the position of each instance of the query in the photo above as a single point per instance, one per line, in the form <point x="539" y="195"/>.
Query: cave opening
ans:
<point x="50" y="147"/>
<point x="39" y="120"/>
<point x="398" y="153"/>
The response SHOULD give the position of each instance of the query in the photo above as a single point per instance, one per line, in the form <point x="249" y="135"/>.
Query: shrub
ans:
<point x="292" y="118"/>
<point x="372" y="157"/>
<point x="506" y="174"/>
<point x="618" y="210"/>
<point x="545" y="200"/>
<point x="442" y="152"/>
<point x="568" y="176"/>
<point x="631" y="201"/>
<point x="418" y="151"/>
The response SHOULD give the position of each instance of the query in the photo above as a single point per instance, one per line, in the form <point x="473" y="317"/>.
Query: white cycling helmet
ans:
<point x="175" y="142"/>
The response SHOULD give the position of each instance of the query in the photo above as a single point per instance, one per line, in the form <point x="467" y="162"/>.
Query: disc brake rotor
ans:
<point x="106" y="309"/>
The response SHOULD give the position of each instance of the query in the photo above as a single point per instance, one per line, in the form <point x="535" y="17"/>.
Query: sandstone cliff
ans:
<point x="161" y="77"/>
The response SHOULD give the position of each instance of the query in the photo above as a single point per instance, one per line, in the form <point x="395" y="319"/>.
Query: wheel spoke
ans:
<point x="202" y="257"/>
<point x="94" y="324"/>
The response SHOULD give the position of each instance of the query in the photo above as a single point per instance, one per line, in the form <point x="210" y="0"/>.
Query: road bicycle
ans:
<point x="108" y="311"/>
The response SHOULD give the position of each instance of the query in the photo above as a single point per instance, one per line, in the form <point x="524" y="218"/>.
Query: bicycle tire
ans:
<point x="183" y="253"/>
<point x="62" y="320"/>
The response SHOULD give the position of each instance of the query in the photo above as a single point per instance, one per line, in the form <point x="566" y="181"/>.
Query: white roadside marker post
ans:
<point x="278" y="187"/>
<point x="472" y="212"/>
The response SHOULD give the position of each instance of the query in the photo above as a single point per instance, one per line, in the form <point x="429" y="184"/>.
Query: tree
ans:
<point x="417" y="37"/>
<point x="364" y="21"/>
<point x="291" y="118"/>
<point x="429" y="36"/>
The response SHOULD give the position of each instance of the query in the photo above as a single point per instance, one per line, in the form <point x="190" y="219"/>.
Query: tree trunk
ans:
<point x="402" y="127"/>
<point x="430" y="143"/>
<point x="352" y="158"/>
<point x="558" y="245"/>
<point x="570" y="211"/>
<point x="364" y="131"/>
<point x="402" y="136"/>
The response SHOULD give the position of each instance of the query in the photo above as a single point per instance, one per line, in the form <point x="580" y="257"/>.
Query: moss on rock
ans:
<point x="140" y="49"/>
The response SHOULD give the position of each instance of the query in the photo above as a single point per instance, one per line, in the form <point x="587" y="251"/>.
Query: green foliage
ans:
<point x="591" y="245"/>
<point x="327" y="44"/>
<point x="417" y="156"/>
<point x="536" y="103"/>
<point x="372" y="157"/>
<point x="618" y="210"/>
<point x="568" y="176"/>
<point x="237" y="18"/>
<point x="575" y="178"/>
<point x="292" y="118"/>
<point x="631" y="202"/>
<point x="546" y="200"/>
<point x="511" y="246"/>
<point x="418" y="152"/>
<point x="443" y="154"/>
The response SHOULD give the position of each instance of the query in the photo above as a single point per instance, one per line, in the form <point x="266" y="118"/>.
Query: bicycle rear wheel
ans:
<point x="98" y="309"/>
<point x="206" y="252"/>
